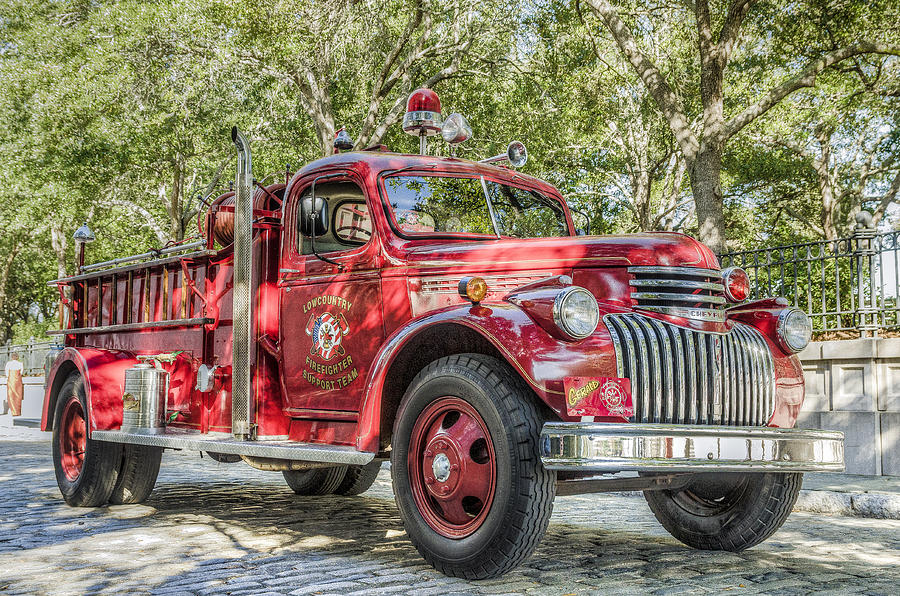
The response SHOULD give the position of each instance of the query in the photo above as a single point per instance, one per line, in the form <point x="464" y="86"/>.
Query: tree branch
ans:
<point x="806" y="78"/>
<point x="146" y="217"/>
<point x="731" y="29"/>
<point x="887" y="198"/>
<point x="668" y="102"/>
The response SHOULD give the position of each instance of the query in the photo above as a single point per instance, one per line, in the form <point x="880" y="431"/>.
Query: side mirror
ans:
<point x="313" y="219"/>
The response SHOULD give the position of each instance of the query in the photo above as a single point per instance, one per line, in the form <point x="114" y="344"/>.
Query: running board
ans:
<point x="193" y="441"/>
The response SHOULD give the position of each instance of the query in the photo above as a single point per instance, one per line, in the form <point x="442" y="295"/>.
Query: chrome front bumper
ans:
<point x="601" y="447"/>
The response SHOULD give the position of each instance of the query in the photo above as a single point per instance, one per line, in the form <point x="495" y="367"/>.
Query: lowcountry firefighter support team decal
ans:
<point x="328" y="365"/>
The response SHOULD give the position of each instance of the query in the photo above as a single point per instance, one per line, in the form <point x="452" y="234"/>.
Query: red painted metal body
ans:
<point x="384" y="303"/>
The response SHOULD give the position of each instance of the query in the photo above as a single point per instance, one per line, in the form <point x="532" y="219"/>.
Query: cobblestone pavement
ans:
<point x="227" y="528"/>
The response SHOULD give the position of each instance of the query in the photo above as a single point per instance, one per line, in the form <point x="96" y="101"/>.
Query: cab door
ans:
<point x="331" y="310"/>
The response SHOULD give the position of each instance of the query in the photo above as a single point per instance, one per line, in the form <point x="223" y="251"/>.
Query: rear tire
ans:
<point x="137" y="475"/>
<point x="358" y="479"/>
<point x="318" y="481"/>
<point x="729" y="512"/>
<point x="468" y="480"/>
<point x="86" y="470"/>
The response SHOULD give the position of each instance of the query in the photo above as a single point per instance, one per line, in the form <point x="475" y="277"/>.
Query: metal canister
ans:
<point x="144" y="400"/>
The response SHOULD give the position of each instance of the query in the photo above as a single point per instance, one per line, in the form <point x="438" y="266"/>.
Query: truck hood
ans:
<point x="659" y="248"/>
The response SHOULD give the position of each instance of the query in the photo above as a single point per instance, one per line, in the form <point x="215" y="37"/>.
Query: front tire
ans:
<point x="468" y="480"/>
<point x="729" y="512"/>
<point x="86" y="470"/>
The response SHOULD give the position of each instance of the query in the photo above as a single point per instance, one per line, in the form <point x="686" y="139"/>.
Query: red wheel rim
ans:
<point x="72" y="439"/>
<point x="452" y="468"/>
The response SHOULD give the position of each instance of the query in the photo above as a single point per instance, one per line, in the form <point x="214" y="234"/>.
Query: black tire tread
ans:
<point x="537" y="485"/>
<point x="318" y="481"/>
<point x="137" y="475"/>
<point x="358" y="479"/>
<point x="741" y="532"/>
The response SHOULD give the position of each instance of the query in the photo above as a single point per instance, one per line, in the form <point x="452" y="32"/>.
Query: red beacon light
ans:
<point x="423" y="115"/>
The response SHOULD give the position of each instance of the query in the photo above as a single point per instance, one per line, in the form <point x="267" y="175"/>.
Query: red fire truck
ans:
<point x="444" y="315"/>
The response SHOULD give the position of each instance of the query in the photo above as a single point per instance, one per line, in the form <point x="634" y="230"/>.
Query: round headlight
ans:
<point x="737" y="284"/>
<point x="794" y="329"/>
<point x="575" y="312"/>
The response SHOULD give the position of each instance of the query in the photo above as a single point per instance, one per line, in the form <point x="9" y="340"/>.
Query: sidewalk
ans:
<point x="829" y="494"/>
<point x="846" y="494"/>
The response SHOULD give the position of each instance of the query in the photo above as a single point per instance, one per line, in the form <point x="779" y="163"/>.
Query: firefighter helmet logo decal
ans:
<point x="327" y="331"/>
<point x="614" y="398"/>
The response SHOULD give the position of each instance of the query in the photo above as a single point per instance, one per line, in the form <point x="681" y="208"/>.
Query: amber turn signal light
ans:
<point x="473" y="288"/>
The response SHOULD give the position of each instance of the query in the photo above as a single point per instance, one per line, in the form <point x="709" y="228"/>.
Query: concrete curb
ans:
<point x="827" y="502"/>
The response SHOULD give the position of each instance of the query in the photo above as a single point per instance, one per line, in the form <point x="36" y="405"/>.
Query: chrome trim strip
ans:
<point x="146" y="255"/>
<point x="195" y="322"/>
<point x="705" y="380"/>
<point x="689" y="271"/>
<point x="729" y="390"/>
<point x="691" y="357"/>
<point x="700" y="314"/>
<point x="665" y="398"/>
<point x="747" y="394"/>
<point x="193" y="441"/>
<point x="720" y="377"/>
<point x="617" y="347"/>
<point x="681" y="385"/>
<point x="644" y="372"/>
<point x="629" y="447"/>
<point x="678" y="297"/>
<point x="753" y="352"/>
<point x="677" y="283"/>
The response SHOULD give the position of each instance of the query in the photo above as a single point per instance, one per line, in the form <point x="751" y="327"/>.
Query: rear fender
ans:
<point x="542" y="360"/>
<point x="103" y="372"/>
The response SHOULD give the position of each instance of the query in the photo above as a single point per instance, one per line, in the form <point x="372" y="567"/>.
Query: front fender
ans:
<point x="542" y="360"/>
<point x="103" y="372"/>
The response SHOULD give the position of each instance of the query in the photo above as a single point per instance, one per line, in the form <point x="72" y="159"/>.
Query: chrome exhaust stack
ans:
<point x="242" y="347"/>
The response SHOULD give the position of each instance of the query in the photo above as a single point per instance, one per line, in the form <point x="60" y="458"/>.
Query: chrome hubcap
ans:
<point x="441" y="467"/>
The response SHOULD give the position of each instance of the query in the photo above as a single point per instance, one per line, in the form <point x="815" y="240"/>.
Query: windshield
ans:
<point x="440" y="204"/>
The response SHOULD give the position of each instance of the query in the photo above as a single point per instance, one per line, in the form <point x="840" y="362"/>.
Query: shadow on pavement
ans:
<point x="211" y="528"/>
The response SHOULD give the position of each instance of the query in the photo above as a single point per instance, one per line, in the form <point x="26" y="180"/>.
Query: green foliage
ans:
<point x="118" y="113"/>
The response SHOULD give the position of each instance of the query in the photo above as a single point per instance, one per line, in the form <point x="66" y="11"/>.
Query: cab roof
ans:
<point x="378" y="162"/>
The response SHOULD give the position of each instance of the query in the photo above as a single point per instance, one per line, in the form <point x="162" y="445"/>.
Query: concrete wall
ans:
<point x="32" y="403"/>
<point x="854" y="386"/>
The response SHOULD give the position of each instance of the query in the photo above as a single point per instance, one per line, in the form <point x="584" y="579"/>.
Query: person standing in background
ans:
<point x="15" y="390"/>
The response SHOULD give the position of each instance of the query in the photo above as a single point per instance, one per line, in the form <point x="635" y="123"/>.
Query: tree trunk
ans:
<point x="59" y="242"/>
<point x="4" y="281"/>
<point x="641" y="186"/>
<point x="175" y="206"/>
<point x="706" y="185"/>
<point x="829" y="204"/>
<point x="822" y="165"/>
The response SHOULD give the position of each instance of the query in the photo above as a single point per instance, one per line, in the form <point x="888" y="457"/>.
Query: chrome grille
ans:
<point x="681" y="376"/>
<point x="686" y="292"/>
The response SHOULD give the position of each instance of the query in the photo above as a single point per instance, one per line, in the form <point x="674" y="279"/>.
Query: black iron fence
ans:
<point x="849" y="284"/>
